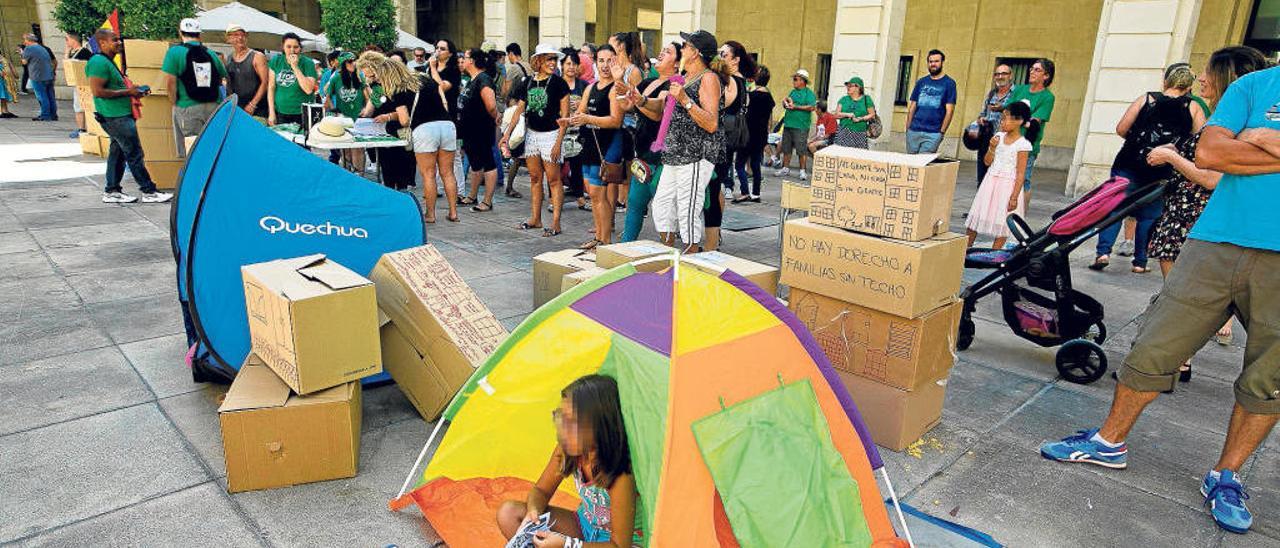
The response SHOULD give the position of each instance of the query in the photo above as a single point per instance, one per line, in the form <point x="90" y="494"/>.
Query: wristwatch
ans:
<point x="688" y="104"/>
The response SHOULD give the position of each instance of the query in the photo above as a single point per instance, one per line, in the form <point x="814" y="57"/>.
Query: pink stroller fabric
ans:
<point x="1095" y="206"/>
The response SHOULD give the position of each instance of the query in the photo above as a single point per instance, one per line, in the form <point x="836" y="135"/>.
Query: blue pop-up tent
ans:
<point x="246" y="196"/>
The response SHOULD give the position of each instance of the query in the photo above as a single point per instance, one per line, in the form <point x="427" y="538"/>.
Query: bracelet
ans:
<point x="570" y="542"/>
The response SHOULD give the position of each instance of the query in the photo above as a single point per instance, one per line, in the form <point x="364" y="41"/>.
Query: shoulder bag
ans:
<point x="405" y="133"/>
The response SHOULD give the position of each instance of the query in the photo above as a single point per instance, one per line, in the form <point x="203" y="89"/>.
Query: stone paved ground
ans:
<point x="105" y="439"/>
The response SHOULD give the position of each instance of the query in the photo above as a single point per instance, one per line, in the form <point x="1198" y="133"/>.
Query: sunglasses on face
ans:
<point x="1003" y="74"/>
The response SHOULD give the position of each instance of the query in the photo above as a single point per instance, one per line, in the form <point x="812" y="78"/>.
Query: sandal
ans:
<point x="1184" y="372"/>
<point x="740" y="199"/>
<point x="1140" y="269"/>
<point x="429" y="220"/>
<point x="1100" y="263"/>
<point x="547" y="233"/>
<point x="452" y="218"/>
<point x="466" y="201"/>
<point x="590" y="244"/>
<point x="482" y="207"/>
<point x="527" y="226"/>
<point x="513" y="194"/>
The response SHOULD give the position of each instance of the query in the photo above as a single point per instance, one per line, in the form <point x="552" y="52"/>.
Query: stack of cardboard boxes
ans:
<point x="874" y="274"/>
<point x="155" y="126"/>
<point x="293" y="413"/>
<point x="556" y="272"/>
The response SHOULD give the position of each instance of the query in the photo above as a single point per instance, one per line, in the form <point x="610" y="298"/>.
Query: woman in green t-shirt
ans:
<point x="347" y="94"/>
<point x="293" y="82"/>
<point x="855" y="110"/>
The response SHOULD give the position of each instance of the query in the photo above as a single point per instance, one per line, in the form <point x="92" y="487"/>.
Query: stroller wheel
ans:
<point x="1081" y="361"/>
<point x="967" y="330"/>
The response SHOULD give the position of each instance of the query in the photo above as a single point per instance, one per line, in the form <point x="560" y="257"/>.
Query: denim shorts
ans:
<point x="435" y="136"/>
<point x="591" y="174"/>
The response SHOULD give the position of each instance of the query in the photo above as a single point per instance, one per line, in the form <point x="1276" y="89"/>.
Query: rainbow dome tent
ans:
<point x="741" y="433"/>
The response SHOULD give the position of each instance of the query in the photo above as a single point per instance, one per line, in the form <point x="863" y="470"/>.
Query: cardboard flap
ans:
<point x="331" y="274"/>
<point x="914" y="160"/>
<point x="338" y="393"/>
<point x="255" y="387"/>
<point x="382" y="318"/>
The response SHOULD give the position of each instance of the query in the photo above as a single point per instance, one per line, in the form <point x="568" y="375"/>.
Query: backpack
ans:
<point x="200" y="78"/>
<point x="1163" y="120"/>
<point x="518" y="79"/>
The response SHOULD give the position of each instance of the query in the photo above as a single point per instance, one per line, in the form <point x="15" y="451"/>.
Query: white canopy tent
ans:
<point x="404" y="40"/>
<point x="257" y="24"/>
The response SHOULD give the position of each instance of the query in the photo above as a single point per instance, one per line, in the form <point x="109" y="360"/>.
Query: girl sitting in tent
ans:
<point x="592" y="447"/>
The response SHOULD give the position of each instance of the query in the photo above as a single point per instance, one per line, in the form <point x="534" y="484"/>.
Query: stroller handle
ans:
<point x="1019" y="228"/>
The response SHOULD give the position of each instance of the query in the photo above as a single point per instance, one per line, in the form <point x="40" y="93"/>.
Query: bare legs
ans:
<point x="1244" y="433"/>
<point x="537" y="168"/>
<point x="429" y="165"/>
<point x="997" y="244"/>
<point x="490" y="180"/>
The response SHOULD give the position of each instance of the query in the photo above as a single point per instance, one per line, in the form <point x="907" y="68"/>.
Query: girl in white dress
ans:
<point x="1001" y="190"/>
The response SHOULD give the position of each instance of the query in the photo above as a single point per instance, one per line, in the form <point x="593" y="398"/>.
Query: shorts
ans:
<point x="479" y="154"/>
<point x="774" y="139"/>
<point x="1210" y="283"/>
<point x="795" y="141"/>
<point x="591" y="174"/>
<point x="435" y="136"/>
<point x="190" y="120"/>
<point x="920" y="142"/>
<point x="1026" y="179"/>
<point x="539" y="144"/>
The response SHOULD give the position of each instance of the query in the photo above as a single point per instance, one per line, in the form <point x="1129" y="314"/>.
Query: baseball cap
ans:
<point x="234" y="27"/>
<point x="703" y="41"/>
<point x="803" y="74"/>
<point x="346" y="56"/>
<point x="855" y="80"/>
<point x="190" y="26"/>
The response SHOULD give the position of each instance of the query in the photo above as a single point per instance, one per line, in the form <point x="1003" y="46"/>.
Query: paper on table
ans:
<point x="366" y="127"/>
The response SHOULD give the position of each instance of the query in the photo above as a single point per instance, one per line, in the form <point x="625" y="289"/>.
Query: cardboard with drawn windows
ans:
<point x="903" y="196"/>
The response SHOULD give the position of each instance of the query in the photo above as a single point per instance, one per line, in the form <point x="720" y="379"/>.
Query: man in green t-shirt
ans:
<point x="114" y="109"/>
<point x="1036" y="94"/>
<point x="194" y="76"/>
<point x="799" y="106"/>
<point x="293" y="82"/>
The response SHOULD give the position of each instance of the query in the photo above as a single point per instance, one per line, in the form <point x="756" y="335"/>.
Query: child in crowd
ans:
<point x="592" y="447"/>
<point x="1001" y="190"/>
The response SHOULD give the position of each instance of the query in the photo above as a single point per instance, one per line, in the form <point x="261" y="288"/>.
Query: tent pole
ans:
<point x="901" y="519"/>
<point x="423" y="455"/>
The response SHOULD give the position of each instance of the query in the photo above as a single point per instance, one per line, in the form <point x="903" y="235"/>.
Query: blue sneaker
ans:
<point x="1225" y="496"/>
<point x="1080" y="448"/>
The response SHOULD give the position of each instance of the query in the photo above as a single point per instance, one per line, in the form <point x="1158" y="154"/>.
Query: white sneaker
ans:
<point x="803" y="176"/>
<point x="156" y="197"/>
<point x="117" y="198"/>
<point x="782" y="172"/>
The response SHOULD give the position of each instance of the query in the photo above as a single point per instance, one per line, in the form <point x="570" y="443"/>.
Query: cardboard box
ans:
<point x="904" y="196"/>
<point x="550" y="268"/>
<point x="165" y="172"/>
<point x="73" y="71"/>
<point x="145" y="53"/>
<point x="609" y="256"/>
<point x="157" y="113"/>
<point x="437" y="313"/>
<point x="896" y="418"/>
<point x="716" y="262"/>
<point x="272" y="438"/>
<point x="900" y="352"/>
<point x="574" y="279"/>
<point x="902" y="278"/>
<point x="158" y="144"/>
<point x="149" y="76"/>
<point x="313" y="321"/>
<point x="92" y="144"/>
<point x="428" y="387"/>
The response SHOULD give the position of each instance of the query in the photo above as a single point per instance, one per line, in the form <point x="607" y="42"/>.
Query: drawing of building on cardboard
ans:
<point x="902" y="338"/>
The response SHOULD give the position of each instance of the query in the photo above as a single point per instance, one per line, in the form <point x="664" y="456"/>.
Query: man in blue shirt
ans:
<point x="933" y="100"/>
<point x="39" y="63"/>
<point x="1230" y="265"/>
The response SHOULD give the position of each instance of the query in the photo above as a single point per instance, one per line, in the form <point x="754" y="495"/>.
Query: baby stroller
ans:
<point x="1034" y="279"/>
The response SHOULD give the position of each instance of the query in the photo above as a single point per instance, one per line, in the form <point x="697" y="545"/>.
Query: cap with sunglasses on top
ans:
<point x="234" y="27"/>
<point x="703" y="41"/>
<point x="189" y="26"/>
<point x="802" y="73"/>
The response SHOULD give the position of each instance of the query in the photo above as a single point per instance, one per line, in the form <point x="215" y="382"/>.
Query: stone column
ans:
<point x="407" y="16"/>
<point x="1136" y="40"/>
<point x="867" y="43"/>
<point x="507" y="21"/>
<point x="686" y="16"/>
<point x="562" y="22"/>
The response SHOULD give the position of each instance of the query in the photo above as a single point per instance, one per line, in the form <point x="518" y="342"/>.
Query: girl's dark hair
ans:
<point x="762" y="76"/>
<point x="597" y="408"/>
<point x="290" y="36"/>
<point x="746" y="65"/>
<point x="453" y="54"/>
<point x="570" y="54"/>
<point x="604" y="47"/>
<point x="1049" y="71"/>
<point x="1230" y="63"/>
<point x="350" y="78"/>
<point x="679" y="52"/>
<point x="631" y="42"/>
<point x="398" y="55"/>
<point x="1020" y="110"/>
<point x="480" y="59"/>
